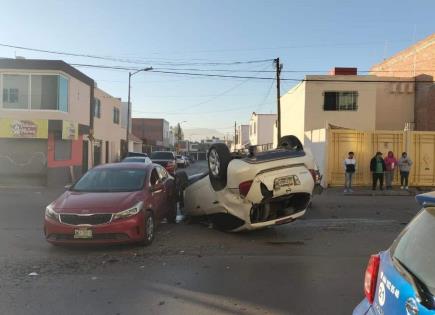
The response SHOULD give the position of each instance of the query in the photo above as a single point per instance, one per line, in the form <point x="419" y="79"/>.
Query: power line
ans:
<point x="132" y="61"/>
<point x="255" y="77"/>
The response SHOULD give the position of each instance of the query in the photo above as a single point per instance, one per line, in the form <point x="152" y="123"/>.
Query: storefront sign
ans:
<point x="23" y="128"/>
<point x="70" y="130"/>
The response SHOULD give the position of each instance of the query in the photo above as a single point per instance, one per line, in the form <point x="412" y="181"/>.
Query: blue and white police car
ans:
<point x="401" y="280"/>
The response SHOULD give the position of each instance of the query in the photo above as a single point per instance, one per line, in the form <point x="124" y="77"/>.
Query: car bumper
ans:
<point x="122" y="231"/>
<point x="261" y="225"/>
<point x="364" y="308"/>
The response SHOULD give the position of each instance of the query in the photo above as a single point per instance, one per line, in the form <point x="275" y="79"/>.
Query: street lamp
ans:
<point x="130" y="74"/>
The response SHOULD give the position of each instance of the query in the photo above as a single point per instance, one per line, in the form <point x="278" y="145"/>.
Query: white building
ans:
<point x="261" y="128"/>
<point x="242" y="137"/>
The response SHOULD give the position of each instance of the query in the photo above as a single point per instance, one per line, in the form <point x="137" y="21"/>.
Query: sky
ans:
<point x="209" y="35"/>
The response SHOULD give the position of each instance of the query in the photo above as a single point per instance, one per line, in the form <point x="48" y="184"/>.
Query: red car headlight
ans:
<point x="129" y="212"/>
<point x="51" y="214"/>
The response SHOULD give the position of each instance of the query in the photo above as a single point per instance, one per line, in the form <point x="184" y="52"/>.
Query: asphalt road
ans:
<point x="313" y="266"/>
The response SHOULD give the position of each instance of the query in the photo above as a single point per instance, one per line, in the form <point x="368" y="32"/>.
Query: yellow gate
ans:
<point x="419" y="145"/>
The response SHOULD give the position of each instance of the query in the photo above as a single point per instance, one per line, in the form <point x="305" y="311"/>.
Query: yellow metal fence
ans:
<point x="419" y="145"/>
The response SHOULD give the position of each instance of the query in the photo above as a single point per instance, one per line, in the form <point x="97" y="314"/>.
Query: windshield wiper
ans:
<point x="423" y="292"/>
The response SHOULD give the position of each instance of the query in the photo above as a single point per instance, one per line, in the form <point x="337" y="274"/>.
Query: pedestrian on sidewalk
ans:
<point x="377" y="167"/>
<point x="390" y="163"/>
<point x="405" y="164"/>
<point x="349" y="171"/>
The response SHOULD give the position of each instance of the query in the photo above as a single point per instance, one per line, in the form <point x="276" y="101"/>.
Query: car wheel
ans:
<point x="218" y="159"/>
<point x="290" y="142"/>
<point x="149" y="228"/>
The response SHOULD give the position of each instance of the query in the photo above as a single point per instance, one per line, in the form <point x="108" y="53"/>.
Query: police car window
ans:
<point x="415" y="248"/>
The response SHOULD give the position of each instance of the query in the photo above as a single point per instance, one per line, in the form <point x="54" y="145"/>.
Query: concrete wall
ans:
<point x="361" y="119"/>
<point x="263" y="131"/>
<point x="417" y="61"/>
<point x="105" y="129"/>
<point x="394" y="105"/>
<point x="150" y="130"/>
<point x="293" y="112"/>
<point x="78" y="99"/>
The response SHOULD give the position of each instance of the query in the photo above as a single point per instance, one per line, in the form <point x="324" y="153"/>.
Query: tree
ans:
<point x="179" y="134"/>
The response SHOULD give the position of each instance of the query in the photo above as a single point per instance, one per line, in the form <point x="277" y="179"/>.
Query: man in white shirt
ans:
<point x="349" y="171"/>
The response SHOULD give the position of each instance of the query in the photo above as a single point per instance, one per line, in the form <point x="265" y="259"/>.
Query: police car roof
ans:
<point x="426" y="199"/>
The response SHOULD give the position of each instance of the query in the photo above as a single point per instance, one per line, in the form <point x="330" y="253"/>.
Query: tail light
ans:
<point x="371" y="277"/>
<point x="244" y="188"/>
<point x="316" y="176"/>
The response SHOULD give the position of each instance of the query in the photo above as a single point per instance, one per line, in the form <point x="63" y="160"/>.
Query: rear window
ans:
<point x="111" y="180"/>
<point x="162" y="155"/>
<point x="415" y="248"/>
<point x="135" y="159"/>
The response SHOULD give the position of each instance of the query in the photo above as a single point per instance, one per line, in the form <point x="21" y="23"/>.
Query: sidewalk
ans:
<point x="367" y="191"/>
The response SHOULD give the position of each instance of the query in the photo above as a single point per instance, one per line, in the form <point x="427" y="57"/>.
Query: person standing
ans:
<point x="349" y="171"/>
<point x="377" y="167"/>
<point x="390" y="163"/>
<point x="405" y="164"/>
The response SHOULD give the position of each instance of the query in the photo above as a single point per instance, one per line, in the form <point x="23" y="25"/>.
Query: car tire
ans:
<point x="181" y="183"/>
<point x="290" y="142"/>
<point x="149" y="228"/>
<point x="218" y="157"/>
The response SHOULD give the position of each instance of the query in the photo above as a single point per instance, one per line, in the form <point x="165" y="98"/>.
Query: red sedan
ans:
<point x="113" y="203"/>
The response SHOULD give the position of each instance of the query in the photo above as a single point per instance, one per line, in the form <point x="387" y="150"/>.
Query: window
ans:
<point x="47" y="92"/>
<point x="116" y="115"/>
<point x="414" y="248"/>
<point x="62" y="148"/>
<point x="16" y="91"/>
<point x="44" y="92"/>
<point x="97" y="108"/>
<point x="163" y="174"/>
<point x="111" y="180"/>
<point x="340" y="101"/>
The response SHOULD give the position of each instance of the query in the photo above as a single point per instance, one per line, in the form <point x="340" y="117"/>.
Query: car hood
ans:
<point x="96" y="202"/>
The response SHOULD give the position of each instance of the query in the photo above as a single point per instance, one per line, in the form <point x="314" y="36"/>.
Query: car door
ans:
<point x="157" y="192"/>
<point x="167" y="191"/>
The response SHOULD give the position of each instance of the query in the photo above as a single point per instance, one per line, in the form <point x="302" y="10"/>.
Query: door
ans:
<point x="157" y="192"/>
<point x="97" y="153"/>
<point x="85" y="156"/>
<point x="107" y="151"/>
<point x="168" y="196"/>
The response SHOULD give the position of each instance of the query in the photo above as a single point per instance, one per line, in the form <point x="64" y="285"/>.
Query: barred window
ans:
<point x="340" y="101"/>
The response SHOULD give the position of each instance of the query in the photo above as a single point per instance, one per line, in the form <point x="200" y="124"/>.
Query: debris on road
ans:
<point x="33" y="274"/>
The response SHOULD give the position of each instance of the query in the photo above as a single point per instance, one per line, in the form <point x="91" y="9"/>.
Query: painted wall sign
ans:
<point x="70" y="130"/>
<point x="23" y="128"/>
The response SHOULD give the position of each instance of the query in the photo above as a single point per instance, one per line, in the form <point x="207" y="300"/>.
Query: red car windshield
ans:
<point x="111" y="180"/>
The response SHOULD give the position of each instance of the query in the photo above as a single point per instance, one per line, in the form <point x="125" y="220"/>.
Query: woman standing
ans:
<point x="390" y="164"/>
<point x="405" y="164"/>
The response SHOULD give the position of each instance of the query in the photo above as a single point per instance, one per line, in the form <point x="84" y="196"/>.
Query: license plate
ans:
<point x="83" y="233"/>
<point x="286" y="181"/>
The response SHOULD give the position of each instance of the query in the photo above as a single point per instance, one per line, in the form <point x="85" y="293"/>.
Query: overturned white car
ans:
<point x="246" y="192"/>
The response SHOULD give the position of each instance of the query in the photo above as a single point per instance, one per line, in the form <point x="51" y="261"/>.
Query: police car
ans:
<point x="401" y="280"/>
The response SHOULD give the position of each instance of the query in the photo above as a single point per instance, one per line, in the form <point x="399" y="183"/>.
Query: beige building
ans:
<point x="364" y="103"/>
<point x="261" y="128"/>
<point x="108" y="130"/>
<point x="242" y="137"/>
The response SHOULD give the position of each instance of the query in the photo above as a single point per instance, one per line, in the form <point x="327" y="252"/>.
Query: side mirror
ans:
<point x="67" y="187"/>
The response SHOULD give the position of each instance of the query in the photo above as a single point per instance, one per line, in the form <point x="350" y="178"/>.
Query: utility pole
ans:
<point x="235" y="134"/>
<point x="278" y="67"/>
<point x="130" y="74"/>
